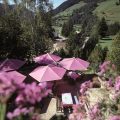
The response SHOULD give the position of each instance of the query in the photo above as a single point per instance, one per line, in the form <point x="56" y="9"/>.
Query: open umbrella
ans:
<point x="74" y="64"/>
<point x="47" y="59"/>
<point x="48" y="73"/>
<point x="11" y="64"/>
<point x="13" y="75"/>
<point x="16" y="75"/>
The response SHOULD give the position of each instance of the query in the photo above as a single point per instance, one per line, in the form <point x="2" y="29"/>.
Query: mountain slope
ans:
<point x="64" y="6"/>
<point x="63" y="16"/>
<point x="96" y="8"/>
<point x="109" y="10"/>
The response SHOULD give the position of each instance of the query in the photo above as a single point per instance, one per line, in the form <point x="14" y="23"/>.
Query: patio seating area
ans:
<point x="60" y="78"/>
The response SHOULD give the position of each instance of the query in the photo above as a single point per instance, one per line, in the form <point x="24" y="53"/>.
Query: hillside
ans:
<point x="85" y="14"/>
<point x="64" y="15"/>
<point x="64" y="6"/>
<point x="103" y="8"/>
<point x="109" y="10"/>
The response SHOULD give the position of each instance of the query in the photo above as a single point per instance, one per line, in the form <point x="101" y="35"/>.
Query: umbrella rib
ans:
<point x="79" y="63"/>
<point x="82" y="65"/>
<point x="51" y="57"/>
<point x="43" y="74"/>
<point x="55" y="73"/>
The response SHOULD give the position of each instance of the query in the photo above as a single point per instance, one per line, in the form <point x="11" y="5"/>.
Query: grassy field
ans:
<point x="106" y="42"/>
<point x="109" y="10"/>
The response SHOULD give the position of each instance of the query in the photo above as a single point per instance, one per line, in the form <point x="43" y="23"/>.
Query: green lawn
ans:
<point x="106" y="42"/>
<point x="109" y="10"/>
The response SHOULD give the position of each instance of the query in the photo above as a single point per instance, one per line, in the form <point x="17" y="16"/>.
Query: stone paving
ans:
<point x="51" y="110"/>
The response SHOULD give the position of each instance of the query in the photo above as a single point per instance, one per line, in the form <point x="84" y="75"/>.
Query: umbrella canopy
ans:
<point x="48" y="73"/>
<point x="11" y="64"/>
<point x="14" y="75"/>
<point x="47" y="59"/>
<point x="74" y="64"/>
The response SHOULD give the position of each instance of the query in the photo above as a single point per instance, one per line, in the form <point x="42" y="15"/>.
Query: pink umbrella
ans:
<point x="73" y="75"/>
<point x="47" y="59"/>
<point x="48" y="73"/>
<point x="11" y="64"/>
<point x="14" y="75"/>
<point x="74" y="64"/>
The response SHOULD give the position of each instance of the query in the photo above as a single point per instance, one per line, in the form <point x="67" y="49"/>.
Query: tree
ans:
<point x="25" y="33"/>
<point x="103" y="27"/>
<point x="96" y="56"/>
<point x="77" y="52"/>
<point x="105" y="53"/>
<point x="67" y="28"/>
<point x="10" y="32"/>
<point x="115" y="52"/>
<point x="113" y="28"/>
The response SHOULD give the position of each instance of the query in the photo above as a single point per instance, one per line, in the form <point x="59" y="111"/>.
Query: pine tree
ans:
<point x="103" y="28"/>
<point x="115" y="52"/>
<point x="67" y="28"/>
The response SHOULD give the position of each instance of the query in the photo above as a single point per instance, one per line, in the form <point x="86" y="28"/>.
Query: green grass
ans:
<point x="69" y="10"/>
<point x="109" y="10"/>
<point x="106" y="42"/>
<point x="57" y="29"/>
<point x="64" y="16"/>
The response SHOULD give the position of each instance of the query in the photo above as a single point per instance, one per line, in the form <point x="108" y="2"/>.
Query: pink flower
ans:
<point x="71" y="117"/>
<point x="104" y="67"/>
<point x="94" y="112"/>
<point x="17" y="112"/>
<point x="110" y="83"/>
<point x="10" y="116"/>
<point x="116" y="117"/>
<point x="117" y="83"/>
<point x="85" y="86"/>
<point x="24" y="111"/>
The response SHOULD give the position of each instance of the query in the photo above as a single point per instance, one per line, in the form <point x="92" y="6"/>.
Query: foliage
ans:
<point x="61" y="53"/>
<point x="115" y="52"/>
<point x="104" y="109"/>
<point x="10" y="32"/>
<point x="74" y="44"/>
<point x="67" y="28"/>
<point x="91" y="43"/>
<point x="23" y="97"/>
<point x="103" y="28"/>
<point x="113" y="28"/>
<point x="96" y="57"/>
<point x="24" y="31"/>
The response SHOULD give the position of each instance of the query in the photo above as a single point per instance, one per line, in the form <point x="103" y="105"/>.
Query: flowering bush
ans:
<point x="85" y="86"/>
<point x="26" y="96"/>
<point x="107" y="109"/>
